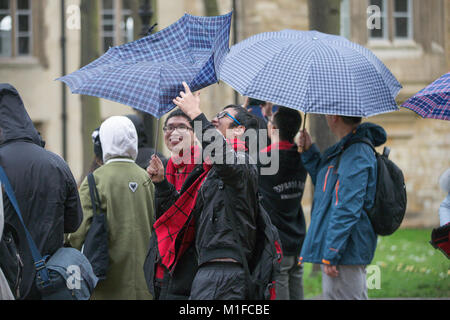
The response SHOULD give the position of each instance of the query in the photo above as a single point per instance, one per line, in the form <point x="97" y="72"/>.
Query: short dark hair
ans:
<point x="247" y="119"/>
<point x="288" y="121"/>
<point x="351" y="121"/>
<point x="256" y="102"/>
<point x="179" y="113"/>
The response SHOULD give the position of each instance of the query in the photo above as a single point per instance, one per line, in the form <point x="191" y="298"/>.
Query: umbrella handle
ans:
<point x="157" y="136"/>
<point x="300" y="149"/>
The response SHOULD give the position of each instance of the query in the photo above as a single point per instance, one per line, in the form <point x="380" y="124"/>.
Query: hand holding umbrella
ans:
<point x="156" y="169"/>
<point x="304" y="141"/>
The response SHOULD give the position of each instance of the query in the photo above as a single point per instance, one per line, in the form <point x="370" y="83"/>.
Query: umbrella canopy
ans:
<point x="312" y="72"/>
<point x="147" y="74"/>
<point x="433" y="101"/>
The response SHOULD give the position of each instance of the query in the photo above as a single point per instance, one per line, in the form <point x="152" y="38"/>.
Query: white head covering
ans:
<point x="444" y="181"/>
<point x="119" y="138"/>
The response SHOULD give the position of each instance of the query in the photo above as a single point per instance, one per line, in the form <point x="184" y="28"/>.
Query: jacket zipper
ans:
<point x="337" y="189"/>
<point x="326" y="178"/>
<point x="19" y="276"/>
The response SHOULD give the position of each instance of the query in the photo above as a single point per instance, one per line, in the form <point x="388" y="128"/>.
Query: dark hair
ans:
<point x="179" y="113"/>
<point x="247" y="119"/>
<point x="288" y="121"/>
<point x="256" y="102"/>
<point x="351" y="121"/>
<point x="98" y="151"/>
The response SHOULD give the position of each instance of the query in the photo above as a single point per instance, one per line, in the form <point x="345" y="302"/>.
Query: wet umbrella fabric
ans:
<point x="147" y="74"/>
<point x="312" y="72"/>
<point x="433" y="101"/>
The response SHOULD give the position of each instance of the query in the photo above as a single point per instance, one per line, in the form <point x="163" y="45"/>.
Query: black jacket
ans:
<point x="228" y="192"/>
<point x="42" y="181"/>
<point x="281" y="196"/>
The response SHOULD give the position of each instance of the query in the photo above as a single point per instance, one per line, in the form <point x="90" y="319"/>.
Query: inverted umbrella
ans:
<point x="433" y="101"/>
<point x="147" y="74"/>
<point x="312" y="72"/>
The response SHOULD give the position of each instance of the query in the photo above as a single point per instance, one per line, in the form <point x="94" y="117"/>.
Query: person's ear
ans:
<point x="239" y="131"/>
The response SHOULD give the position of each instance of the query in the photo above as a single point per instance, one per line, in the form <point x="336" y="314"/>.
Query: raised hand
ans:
<point x="189" y="102"/>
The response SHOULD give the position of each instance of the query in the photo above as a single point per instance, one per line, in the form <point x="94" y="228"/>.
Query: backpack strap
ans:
<point x="353" y="141"/>
<point x="39" y="261"/>
<point x="95" y="198"/>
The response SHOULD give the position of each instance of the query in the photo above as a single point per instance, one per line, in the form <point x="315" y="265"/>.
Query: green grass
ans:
<point x="409" y="267"/>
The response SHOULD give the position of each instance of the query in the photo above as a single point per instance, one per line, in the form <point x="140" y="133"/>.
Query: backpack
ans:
<point x="66" y="275"/>
<point x="389" y="207"/>
<point x="264" y="267"/>
<point x="95" y="246"/>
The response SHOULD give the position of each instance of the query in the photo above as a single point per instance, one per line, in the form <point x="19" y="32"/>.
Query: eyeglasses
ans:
<point x="181" y="128"/>
<point x="222" y="114"/>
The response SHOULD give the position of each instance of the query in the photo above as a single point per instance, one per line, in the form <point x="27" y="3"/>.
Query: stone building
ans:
<point x="413" y="41"/>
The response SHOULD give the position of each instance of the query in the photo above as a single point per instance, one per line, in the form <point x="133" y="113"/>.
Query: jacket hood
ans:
<point x="119" y="139"/>
<point x="15" y="123"/>
<point x="376" y="134"/>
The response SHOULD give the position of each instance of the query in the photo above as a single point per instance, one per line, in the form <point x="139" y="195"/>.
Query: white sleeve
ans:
<point x="444" y="211"/>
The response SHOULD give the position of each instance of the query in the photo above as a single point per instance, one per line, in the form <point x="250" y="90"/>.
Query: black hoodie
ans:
<point x="281" y="196"/>
<point x="42" y="181"/>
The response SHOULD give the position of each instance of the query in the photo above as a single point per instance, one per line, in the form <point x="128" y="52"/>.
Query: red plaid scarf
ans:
<point x="177" y="171"/>
<point x="175" y="223"/>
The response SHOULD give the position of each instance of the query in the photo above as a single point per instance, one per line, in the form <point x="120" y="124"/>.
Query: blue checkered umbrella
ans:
<point x="433" y="101"/>
<point x="312" y="72"/>
<point x="147" y="74"/>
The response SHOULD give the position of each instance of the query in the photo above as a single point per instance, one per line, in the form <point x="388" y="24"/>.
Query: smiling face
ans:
<point x="178" y="134"/>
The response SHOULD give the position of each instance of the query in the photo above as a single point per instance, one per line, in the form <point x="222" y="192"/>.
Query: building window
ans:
<point x="402" y="19"/>
<point x="395" y="20"/>
<point x="117" y="23"/>
<point x="380" y="32"/>
<point x="16" y="35"/>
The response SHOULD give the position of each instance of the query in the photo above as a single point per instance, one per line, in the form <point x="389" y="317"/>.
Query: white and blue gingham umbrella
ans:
<point x="147" y="74"/>
<point x="312" y="72"/>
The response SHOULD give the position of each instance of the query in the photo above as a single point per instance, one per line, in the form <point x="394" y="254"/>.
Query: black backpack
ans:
<point x="390" y="199"/>
<point x="264" y="267"/>
<point x="95" y="246"/>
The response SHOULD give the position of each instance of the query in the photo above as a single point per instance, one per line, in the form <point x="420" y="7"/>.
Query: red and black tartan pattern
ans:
<point x="176" y="177"/>
<point x="173" y="224"/>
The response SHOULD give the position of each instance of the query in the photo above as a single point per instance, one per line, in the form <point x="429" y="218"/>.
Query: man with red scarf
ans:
<point x="281" y="196"/>
<point x="219" y="190"/>
<point x="179" y="138"/>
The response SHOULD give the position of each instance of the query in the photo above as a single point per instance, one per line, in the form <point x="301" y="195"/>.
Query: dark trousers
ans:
<point x="219" y="281"/>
